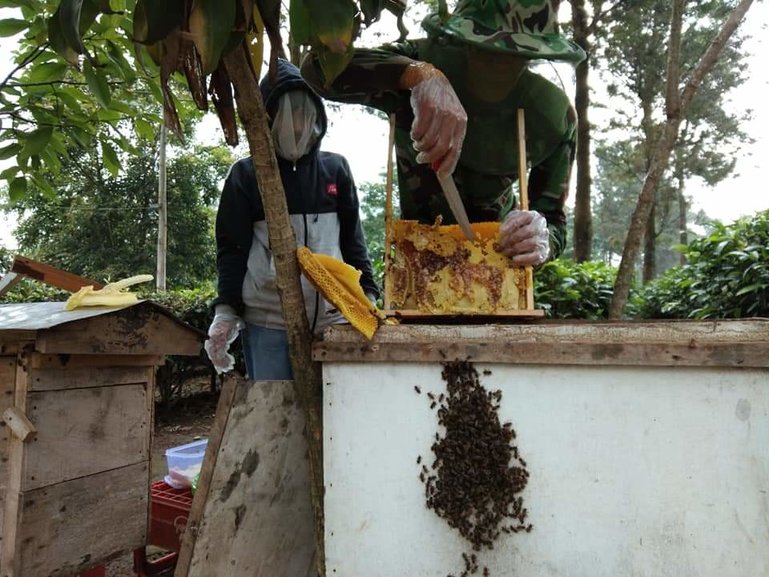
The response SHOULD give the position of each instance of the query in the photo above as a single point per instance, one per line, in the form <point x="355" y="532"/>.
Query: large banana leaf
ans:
<point x="210" y="24"/>
<point x="154" y="19"/>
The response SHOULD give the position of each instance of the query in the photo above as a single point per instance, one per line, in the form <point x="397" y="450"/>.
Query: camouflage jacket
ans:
<point x="488" y="165"/>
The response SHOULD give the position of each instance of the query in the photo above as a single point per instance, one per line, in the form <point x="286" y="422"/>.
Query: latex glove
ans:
<point x="440" y="120"/>
<point x="524" y="237"/>
<point x="223" y="330"/>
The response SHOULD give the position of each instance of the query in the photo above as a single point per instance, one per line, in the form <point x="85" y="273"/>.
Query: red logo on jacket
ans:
<point x="331" y="188"/>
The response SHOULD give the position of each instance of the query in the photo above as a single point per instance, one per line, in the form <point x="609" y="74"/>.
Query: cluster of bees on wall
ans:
<point x="477" y="474"/>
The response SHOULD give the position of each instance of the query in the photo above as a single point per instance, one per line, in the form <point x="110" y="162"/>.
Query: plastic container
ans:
<point x="169" y="509"/>
<point x="184" y="463"/>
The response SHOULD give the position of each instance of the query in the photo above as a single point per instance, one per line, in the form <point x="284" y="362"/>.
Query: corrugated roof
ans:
<point x="40" y="316"/>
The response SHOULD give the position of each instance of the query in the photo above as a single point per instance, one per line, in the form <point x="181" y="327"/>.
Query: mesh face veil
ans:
<point x="296" y="127"/>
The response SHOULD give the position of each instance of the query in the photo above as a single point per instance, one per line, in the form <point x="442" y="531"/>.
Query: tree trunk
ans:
<point x="676" y="106"/>
<point x="583" y="216"/>
<point x="307" y="374"/>
<point x="650" y="247"/>
<point x="683" y="234"/>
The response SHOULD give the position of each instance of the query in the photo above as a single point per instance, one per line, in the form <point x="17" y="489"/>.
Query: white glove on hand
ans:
<point x="524" y="237"/>
<point x="440" y="120"/>
<point x="223" y="330"/>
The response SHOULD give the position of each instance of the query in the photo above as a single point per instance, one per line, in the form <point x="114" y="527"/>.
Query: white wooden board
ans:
<point x="634" y="471"/>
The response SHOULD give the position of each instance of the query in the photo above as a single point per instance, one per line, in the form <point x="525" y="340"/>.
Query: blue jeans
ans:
<point x="266" y="353"/>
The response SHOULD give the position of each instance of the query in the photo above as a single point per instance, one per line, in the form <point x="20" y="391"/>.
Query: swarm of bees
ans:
<point x="477" y="474"/>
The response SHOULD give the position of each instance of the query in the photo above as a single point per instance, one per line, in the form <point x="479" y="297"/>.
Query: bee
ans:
<point x="418" y="390"/>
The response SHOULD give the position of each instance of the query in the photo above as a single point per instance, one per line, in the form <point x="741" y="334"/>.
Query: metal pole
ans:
<point x="162" y="212"/>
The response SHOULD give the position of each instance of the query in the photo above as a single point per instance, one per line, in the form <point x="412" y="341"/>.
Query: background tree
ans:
<point x="105" y="227"/>
<point x="709" y="136"/>
<point x="58" y="101"/>
<point x="588" y="20"/>
<point x="373" y="211"/>
<point x="677" y="104"/>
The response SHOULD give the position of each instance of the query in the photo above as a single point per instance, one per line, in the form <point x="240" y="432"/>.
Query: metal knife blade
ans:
<point x="455" y="204"/>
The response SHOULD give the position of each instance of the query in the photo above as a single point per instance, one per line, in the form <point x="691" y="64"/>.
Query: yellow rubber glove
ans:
<point x="112" y="295"/>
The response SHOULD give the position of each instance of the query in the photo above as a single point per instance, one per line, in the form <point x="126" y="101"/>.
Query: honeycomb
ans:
<point x="435" y="269"/>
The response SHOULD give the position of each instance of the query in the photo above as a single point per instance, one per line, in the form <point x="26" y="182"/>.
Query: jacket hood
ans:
<point x="289" y="78"/>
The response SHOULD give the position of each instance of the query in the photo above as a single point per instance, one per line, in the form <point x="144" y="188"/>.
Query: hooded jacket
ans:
<point x="324" y="213"/>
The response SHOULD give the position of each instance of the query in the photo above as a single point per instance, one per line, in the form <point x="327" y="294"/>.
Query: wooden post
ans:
<point x="523" y="188"/>
<point x="389" y="208"/>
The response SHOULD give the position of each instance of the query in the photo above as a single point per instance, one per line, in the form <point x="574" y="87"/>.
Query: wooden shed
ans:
<point x="77" y="397"/>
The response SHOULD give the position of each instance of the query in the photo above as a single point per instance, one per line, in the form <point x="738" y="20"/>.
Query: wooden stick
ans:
<point x="388" y="209"/>
<point x="50" y="275"/>
<point x="523" y="189"/>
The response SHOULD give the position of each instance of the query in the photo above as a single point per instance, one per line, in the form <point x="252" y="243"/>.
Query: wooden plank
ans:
<point x="632" y="354"/>
<point x="85" y="431"/>
<point x="473" y="318"/>
<point x="254" y="517"/>
<point x="689" y="343"/>
<point x="8" y="281"/>
<point x="12" y="514"/>
<point x="72" y="526"/>
<point x="50" y="379"/>
<point x="50" y="275"/>
<point x="682" y="332"/>
<point x="62" y="361"/>
<point x="12" y="341"/>
<point x="136" y="330"/>
<point x="7" y="383"/>
<point x="215" y="438"/>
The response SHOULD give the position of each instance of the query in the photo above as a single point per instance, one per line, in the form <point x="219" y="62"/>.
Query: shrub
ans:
<point x="570" y="290"/>
<point x="726" y="275"/>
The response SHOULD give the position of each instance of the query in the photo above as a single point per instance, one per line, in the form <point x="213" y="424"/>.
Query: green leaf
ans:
<point x="58" y="42"/>
<point x="9" y="151"/>
<point x="36" y="141"/>
<point x="155" y="19"/>
<point x="9" y="172"/>
<point x="301" y="23"/>
<point x="68" y="14"/>
<point x="144" y="129"/>
<point x="17" y="188"/>
<point x="332" y="63"/>
<point x="751" y="288"/>
<point x="47" y="72"/>
<point x="211" y="22"/>
<point x="44" y="186"/>
<point x="334" y="24"/>
<point x="371" y="10"/>
<point x="12" y="26"/>
<point x="97" y="84"/>
<point x="110" y="159"/>
<point x="18" y="3"/>
<point x="122" y="107"/>
<point x="70" y="99"/>
<point x="125" y="69"/>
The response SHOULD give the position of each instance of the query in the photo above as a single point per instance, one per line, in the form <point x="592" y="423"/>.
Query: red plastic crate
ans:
<point x="169" y="509"/>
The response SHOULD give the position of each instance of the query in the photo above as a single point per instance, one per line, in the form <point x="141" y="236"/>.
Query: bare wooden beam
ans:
<point x="8" y="281"/>
<point x="51" y="275"/>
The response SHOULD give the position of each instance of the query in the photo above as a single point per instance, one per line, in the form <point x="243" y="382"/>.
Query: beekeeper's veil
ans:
<point x="296" y="126"/>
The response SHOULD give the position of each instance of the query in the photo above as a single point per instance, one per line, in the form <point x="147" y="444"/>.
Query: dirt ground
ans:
<point x="187" y="419"/>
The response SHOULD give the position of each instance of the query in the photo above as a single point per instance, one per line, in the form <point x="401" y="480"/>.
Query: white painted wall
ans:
<point x="634" y="472"/>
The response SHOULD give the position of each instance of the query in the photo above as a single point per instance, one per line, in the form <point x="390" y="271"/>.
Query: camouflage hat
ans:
<point x="527" y="28"/>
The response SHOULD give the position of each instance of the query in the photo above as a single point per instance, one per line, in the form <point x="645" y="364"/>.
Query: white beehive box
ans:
<point x="647" y="446"/>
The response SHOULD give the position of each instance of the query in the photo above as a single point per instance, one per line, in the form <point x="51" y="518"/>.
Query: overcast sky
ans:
<point x="362" y="137"/>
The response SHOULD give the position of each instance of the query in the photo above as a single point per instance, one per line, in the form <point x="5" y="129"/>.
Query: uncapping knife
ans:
<point x="455" y="204"/>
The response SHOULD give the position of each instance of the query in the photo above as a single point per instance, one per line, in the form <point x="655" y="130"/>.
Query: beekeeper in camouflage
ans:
<point x="455" y="96"/>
